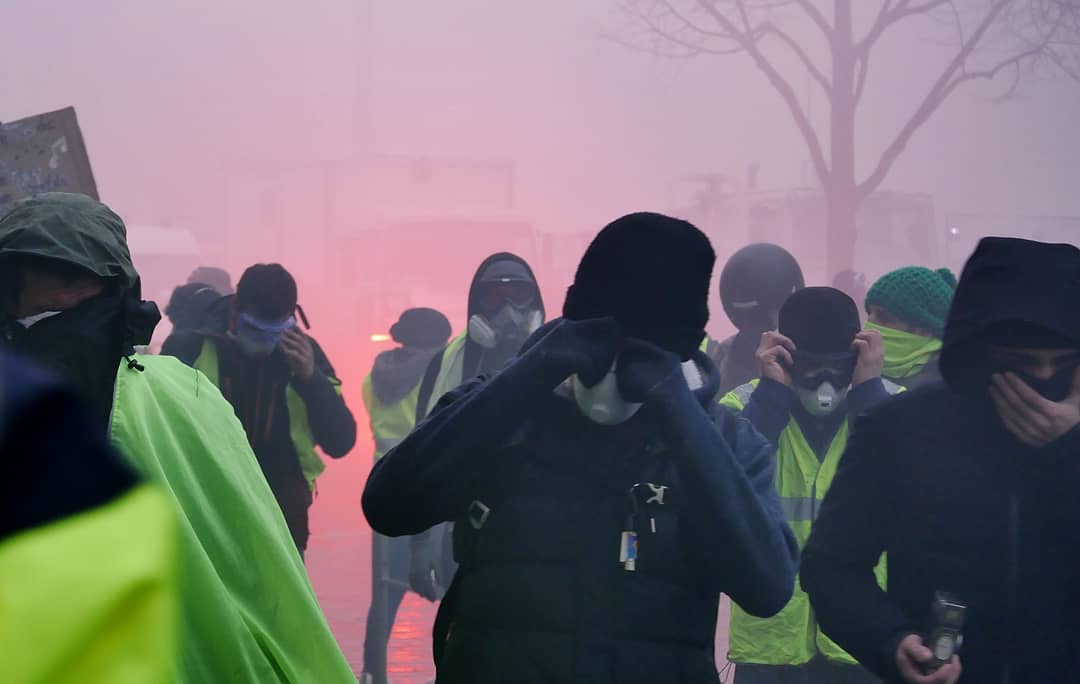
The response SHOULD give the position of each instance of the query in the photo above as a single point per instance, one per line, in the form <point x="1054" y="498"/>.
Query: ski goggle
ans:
<point x="492" y="296"/>
<point x="809" y="370"/>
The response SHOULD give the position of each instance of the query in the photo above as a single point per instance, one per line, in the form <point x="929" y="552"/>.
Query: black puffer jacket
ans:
<point x="541" y="595"/>
<point x="933" y="479"/>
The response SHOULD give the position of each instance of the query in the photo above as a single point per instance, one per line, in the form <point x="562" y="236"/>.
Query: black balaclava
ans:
<point x="651" y="273"/>
<point x="498" y="326"/>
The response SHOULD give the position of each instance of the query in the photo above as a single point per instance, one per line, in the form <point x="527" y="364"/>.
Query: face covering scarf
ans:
<point x="82" y="346"/>
<point x="259" y="338"/>
<point x="906" y="354"/>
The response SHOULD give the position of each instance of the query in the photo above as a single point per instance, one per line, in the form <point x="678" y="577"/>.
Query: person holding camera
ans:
<point x="602" y="499"/>
<point x="817" y="372"/>
<point x="970" y="487"/>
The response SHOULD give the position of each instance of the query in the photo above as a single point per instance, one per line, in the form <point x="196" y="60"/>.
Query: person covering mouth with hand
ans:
<point x="602" y="499"/>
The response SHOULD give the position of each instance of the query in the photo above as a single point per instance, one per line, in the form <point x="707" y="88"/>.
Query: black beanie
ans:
<point x="651" y="273"/>
<point x="820" y="320"/>
<point x="423" y="328"/>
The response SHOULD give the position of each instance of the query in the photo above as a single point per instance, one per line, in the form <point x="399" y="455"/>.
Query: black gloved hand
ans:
<point x="646" y="371"/>
<point x="423" y="578"/>
<point x="586" y="348"/>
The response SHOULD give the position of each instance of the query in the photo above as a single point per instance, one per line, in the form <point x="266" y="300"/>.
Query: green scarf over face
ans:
<point x="906" y="354"/>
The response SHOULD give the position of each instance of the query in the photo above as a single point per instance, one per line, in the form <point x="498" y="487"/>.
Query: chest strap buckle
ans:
<point x="478" y="514"/>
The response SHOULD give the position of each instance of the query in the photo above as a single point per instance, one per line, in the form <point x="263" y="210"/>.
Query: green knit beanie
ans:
<point x="916" y="295"/>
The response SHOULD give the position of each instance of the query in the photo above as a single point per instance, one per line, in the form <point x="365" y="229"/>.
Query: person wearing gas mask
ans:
<point x="504" y="309"/>
<point x="70" y="301"/>
<point x="281" y="385"/>
<point x="603" y="500"/>
<point x="908" y="308"/>
<point x="817" y="372"/>
<point x="970" y="486"/>
<point x="754" y="283"/>
<point x="390" y="396"/>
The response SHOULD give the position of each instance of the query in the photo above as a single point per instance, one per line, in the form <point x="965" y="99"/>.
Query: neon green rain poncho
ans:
<point x="248" y="611"/>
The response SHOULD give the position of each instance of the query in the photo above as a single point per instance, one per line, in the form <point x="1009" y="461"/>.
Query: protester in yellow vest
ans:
<point x="908" y="307"/>
<point x="817" y="372"/>
<point x="88" y="551"/>
<point x="71" y="301"/>
<point x="505" y="307"/>
<point x="390" y="394"/>
<point x="281" y="384"/>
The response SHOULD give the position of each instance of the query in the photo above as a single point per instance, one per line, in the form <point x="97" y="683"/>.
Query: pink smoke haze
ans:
<point x="380" y="149"/>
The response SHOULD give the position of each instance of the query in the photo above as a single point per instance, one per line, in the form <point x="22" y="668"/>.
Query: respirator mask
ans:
<point x="509" y="327"/>
<point x="822" y="381"/>
<point x="507" y="313"/>
<point x="602" y="403"/>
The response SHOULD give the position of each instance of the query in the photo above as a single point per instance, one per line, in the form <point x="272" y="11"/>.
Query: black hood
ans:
<point x="500" y="265"/>
<point x="1006" y="283"/>
<point x="505" y="265"/>
<point x="398" y="371"/>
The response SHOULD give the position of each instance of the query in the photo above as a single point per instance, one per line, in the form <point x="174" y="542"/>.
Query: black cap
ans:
<point x="423" y="328"/>
<point x="651" y="273"/>
<point x="820" y="320"/>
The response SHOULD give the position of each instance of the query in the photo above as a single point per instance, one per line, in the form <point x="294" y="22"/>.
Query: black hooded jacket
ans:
<point x="475" y="362"/>
<point x="959" y="505"/>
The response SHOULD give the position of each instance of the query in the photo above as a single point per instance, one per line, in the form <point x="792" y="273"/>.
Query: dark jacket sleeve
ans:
<point x="728" y="471"/>
<point x="849" y="536"/>
<point x="433" y="475"/>
<point x="184" y="345"/>
<point x="865" y="396"/>
<point x="331" y="421"/>
<point x="769" y="409"/>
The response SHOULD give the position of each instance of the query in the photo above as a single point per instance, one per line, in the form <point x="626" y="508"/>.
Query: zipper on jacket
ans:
<point x="1014" y="569"/>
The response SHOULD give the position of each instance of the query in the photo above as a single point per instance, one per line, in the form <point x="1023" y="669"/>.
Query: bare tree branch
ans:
<point x="863" y="63"/>
<point x="952" y="77"/>
<point x="889" y="15"/>
<point x="779" y="83"/>
<point x="817" y="17"/>
<point x="804" y="57"/>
